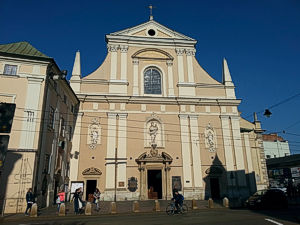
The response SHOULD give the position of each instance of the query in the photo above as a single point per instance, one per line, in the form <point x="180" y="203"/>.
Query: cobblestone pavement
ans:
<point x="219" y="216"/>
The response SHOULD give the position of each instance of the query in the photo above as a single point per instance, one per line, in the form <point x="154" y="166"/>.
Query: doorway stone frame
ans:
<point x="160" y="162"/>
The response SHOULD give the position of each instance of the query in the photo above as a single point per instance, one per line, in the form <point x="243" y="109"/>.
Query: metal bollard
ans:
<point x="210" y="203"/>
<point x="88" y="209"/>
<point x="157" y="206"/>
<point x="113" y="208"/>
<point x="33" y="211"/>
<point x="136" y="206"/>
<point x="225" y="202"/>
<point x="62" y="209"/>
<point x="194" y="204"/>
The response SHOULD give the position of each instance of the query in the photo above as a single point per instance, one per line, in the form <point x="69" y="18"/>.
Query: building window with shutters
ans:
<point x="152" y="81"/>
<point x="10" y="69"/>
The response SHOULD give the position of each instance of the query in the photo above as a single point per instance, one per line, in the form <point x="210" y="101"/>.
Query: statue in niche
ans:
<point x="94" y="134"/>
<point x="210" y="138"/>
<point x="94" y="137"/>
<point x="153" y="132"/>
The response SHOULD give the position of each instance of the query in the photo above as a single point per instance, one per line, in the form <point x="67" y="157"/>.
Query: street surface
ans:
<point x="205" y="217"/>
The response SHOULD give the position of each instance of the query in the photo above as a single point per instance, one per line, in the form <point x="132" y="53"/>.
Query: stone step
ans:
<point x="127" y="206"/>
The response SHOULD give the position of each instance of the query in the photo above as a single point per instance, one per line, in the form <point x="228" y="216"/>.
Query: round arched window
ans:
<point x="152" y="81"/>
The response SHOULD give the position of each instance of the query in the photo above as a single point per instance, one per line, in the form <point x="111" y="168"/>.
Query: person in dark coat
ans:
<point x="178" y="199"/>
<point x="29" y="200"/>
<point x="78" y="203"/>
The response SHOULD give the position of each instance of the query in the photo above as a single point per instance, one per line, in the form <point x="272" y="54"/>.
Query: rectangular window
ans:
<point x="65" y="99"/>
<point x="10" y="69"/>
<point x="51" y="118"/>
<point x="70" y="133"/>
<point x="62" y="127"/>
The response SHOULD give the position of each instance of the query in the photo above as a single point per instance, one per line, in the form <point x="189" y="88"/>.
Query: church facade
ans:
<point x="151" y="120"/>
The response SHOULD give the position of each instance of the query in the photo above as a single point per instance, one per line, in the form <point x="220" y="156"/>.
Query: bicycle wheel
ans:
<point x="170" y="209"/>
<point x="184" y="209"/>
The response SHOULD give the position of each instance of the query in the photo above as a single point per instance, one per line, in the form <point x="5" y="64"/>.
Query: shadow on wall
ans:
<point x="9" y="164"/>
<point x="220" y="183"/>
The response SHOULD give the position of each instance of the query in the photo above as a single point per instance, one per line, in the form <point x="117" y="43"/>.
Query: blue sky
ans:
<point x="259" y="38"/>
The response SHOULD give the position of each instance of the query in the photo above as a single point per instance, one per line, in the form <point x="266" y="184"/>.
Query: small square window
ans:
<point x="10" y="69"/>
<point x="65" y="99"/>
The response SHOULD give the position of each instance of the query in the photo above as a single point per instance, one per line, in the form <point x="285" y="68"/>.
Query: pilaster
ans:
<point x="124" y="50"/>
<point x="110" y="153"/>
<point x="75" y="150"/>
<point x="170" y="78"/>
<point x="227" y="147"/>
<point x="30" y="113"/>
<point x="185" y="151"/>
<point x="113" y="49"/>
<point x="179" y="52"/>
<point x="122" y="148"/>
<point x="238" y="150"/>
<point x="135" y="63"/>
<point x="190" y="53"/>
<point x="196" y="151"/>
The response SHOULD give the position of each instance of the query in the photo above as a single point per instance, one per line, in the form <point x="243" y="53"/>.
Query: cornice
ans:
<point x="156" y="100"/>
<point x="147" y="40"/>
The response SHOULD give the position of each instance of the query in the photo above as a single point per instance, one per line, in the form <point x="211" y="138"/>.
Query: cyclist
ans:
<point x="178" y="199"/>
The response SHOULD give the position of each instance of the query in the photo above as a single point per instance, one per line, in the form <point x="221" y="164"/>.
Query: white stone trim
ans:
<point x="190" y="69"/>
<point x="170" y="78"/>
<point x="30" y="112"/>
<point x="12" y="96"/>
<point x="135" y="62"/>
<point x="197" y="169"/>
<point x="124" y="50"/>
<point x="238" y="150"/>
<point x="248" y="152"/>
<point x="185" y="151"/>
<point x="122" y="148"/>
<point x="180" y="52"/>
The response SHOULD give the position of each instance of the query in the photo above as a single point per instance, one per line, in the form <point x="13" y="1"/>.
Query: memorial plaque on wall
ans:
<point x="176" y="183"/>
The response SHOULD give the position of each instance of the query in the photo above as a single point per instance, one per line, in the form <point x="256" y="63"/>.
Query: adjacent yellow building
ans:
<point x="151" y="120"/>
<point x="37" y="153"/>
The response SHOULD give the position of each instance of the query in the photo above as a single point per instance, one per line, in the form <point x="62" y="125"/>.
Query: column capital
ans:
<point x="169" y="63"/>
<point x="224" y="117"/>
<point x="122" y="115"/>
<point x="124" y="48"/>
<point x="193" y="117"/>
<point x="190" y="52"/>
<point x="112" y="48"/>
<point x="183" y="116"/>
<point x="35" y="79"/>
<point x="135" y="61"/>
<point x="179" y="51"/>
<point x="111" y="115"/>
<point x="80" y="114"/>
<point x="234" y="117"/>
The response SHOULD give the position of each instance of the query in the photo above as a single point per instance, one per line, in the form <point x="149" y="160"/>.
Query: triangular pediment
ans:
<point x="157" y="31"/>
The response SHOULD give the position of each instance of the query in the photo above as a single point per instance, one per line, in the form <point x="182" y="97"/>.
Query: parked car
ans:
<point x="284" y="189"/>
<point x="271" y="198"/>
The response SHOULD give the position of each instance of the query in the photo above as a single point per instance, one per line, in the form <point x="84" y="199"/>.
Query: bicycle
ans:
<point x="171" y="209"/>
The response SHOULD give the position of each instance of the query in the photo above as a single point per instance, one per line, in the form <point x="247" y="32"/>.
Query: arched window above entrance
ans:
<point x="152" y="81"/>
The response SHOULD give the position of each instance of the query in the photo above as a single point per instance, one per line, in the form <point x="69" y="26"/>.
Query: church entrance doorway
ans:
<point x="154" y="184"/>
<point x="90" y="188"/>
<point x="214" y="188"/>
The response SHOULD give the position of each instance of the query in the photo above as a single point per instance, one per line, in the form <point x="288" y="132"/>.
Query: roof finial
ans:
<point x="150" y="8"/>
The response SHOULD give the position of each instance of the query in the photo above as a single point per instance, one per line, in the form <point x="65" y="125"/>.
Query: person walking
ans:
<point x="77" y="201"/>
<point x="96" y="196"/>
<point x="29" y="200"/>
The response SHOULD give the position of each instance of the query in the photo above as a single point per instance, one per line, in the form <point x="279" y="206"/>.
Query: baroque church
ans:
<point x="152" y="120"/>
